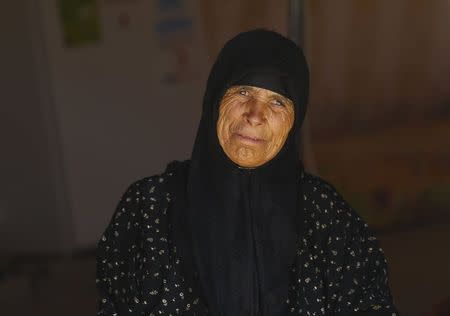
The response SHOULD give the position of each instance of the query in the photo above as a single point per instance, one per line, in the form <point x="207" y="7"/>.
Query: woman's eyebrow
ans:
<point x="250" y="88"/>
<point x="271" y="95"/>
<point x="279" y="96"/>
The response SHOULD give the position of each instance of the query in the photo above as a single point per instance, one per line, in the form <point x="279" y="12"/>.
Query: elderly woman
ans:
<point x="241" y="228"/>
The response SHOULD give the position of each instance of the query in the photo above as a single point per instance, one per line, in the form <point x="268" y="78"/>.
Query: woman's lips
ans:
<point x="249" y="139"/>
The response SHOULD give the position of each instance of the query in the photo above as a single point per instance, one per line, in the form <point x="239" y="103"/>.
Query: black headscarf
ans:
<point x="237" y="229"/>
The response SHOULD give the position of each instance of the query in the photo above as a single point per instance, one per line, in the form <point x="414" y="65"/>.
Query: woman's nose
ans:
<point x="255" y="113"/>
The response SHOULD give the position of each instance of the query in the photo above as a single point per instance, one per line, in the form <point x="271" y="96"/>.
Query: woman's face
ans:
<point x="253" y="124"/>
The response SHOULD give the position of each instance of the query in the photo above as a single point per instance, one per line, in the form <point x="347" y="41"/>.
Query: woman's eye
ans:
<point x="243" y="92"/>
<point x="277" y="102"/>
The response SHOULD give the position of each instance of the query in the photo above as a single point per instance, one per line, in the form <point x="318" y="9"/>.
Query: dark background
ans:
<point x="96" y="94"/>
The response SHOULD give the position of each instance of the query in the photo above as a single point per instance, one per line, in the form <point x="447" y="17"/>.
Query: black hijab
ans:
<point x="237" y="229"/>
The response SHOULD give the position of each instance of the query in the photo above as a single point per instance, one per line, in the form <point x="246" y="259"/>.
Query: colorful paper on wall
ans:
<point x="174" y="28"/>
<point x="80" y="22"/>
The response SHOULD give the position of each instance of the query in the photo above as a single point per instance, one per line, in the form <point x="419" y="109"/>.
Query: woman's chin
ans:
<point x="247" y="159"/>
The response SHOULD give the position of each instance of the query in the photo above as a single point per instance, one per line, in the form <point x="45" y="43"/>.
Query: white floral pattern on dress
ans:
<point x="340" y="268"/>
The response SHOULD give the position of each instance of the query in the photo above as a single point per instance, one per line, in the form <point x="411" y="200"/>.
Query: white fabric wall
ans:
<point x="118" y="121"/>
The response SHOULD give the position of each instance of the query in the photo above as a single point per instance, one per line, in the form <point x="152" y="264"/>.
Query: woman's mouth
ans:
<point x="249" y="139"/>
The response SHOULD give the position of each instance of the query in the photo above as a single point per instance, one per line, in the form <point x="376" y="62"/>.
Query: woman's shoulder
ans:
<point x="152" y="188"/>
<point x="320" y="191"/>
<point x="143" y="201"/>
<point x="325" y="206"/>
<point x="141" y="210"/>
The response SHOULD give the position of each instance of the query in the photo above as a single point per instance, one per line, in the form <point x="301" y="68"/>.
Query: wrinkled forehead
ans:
<point x="270" y="79"/>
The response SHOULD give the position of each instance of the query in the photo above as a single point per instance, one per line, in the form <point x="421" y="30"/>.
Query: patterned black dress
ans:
<point x="340" y="268"/>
